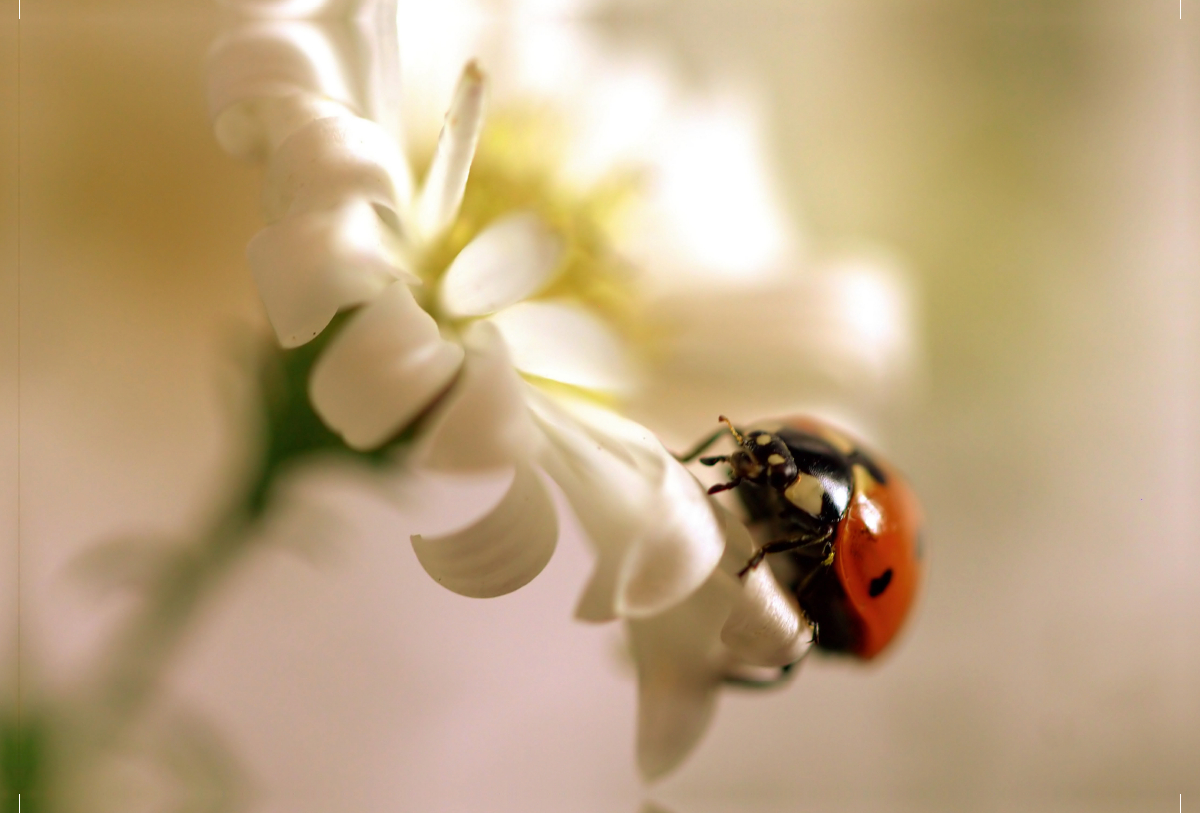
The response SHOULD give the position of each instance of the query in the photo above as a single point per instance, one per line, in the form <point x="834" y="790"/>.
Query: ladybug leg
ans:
<point x="810" y="547"/>
<point x="759" y="555"/>
<point x="700" y="448"/>
<point x="719" y="487"/>
<point x="819" y="549"/>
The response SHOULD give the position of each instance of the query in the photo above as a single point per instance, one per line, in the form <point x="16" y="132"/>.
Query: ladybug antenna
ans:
<point x="733" y="429"/>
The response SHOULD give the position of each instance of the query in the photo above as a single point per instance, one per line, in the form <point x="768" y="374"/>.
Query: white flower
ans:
<point x="475" y="358"/>
<point x="494" y="311"/>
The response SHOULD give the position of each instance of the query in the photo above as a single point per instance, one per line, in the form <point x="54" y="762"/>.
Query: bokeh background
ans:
<point x="1036" y="166"/>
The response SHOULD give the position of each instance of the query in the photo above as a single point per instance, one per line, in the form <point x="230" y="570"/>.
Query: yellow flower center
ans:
<point x="517" y="169"/>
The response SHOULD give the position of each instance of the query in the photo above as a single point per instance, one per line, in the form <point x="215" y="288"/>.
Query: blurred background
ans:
<point x="1036" y="167"/>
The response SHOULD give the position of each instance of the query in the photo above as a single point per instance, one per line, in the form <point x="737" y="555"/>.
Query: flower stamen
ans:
<point x="442" y="192"/>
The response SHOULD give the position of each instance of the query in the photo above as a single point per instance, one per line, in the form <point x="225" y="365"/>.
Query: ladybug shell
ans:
<point x="876" y="552"/>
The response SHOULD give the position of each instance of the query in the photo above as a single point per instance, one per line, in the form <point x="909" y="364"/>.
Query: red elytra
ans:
<point x="863" y="555"/>
<point x="877" y="535"/>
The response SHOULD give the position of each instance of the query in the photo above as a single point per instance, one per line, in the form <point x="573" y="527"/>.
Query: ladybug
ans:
<point x="844" y="528"/>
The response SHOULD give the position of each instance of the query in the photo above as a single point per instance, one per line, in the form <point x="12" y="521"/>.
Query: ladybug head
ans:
<point x="761" y="458"/>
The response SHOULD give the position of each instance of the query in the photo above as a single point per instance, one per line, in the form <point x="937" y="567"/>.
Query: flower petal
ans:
<point x="442" y="191"/>
<point x="679" y="539"/>
<point x="677" y="549"/>
<point x="332" y="160"/>
<point x="385" y="367"/>
<point x="501" y="552"/>
<point x="606" y="493"/>
<point x="268" y="79"/>
<point x="680" y="666"/>
<point x="255" y="128"/>
<point x="311" y="265"/>
<point x="564" y="342"/>
<point x="828" y="334"/>
<point x="685" y="653"/>
<point x="260" y="60"/>
<point x="764" y="627"/>
<point x="653" y="528"/>
<point x="508" y="261"/>
<point x="483" y="421"/>
<point x="672" y="718"/>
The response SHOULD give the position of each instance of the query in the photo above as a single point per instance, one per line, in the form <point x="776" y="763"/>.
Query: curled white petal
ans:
<point x="607" y="496"/>
<point x="563" y="342"/>
<point x="764" y="627"/>
<point x="628" y="442"/>
<point x="483" y="421"/>
<point x="501" y="552"/>
<point x="680" y="665"/>
<point x="685" y="653"/>
<point x="672" y="718"/>
<point x="273" y="59"/>
<point x="310" y="265"/>
<point x="255" y="128"/>
<point x="653" y="529"/>
<point x="675" y="552"/>
<point x="329" y="161"/>
<point x="508" y="261"/>
<point x="265" y="80"/>
<point x="442" y="191"/>
<point x="384" y="368"/>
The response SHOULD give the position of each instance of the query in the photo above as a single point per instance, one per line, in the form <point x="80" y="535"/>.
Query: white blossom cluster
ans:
<point x="475" y="325"/>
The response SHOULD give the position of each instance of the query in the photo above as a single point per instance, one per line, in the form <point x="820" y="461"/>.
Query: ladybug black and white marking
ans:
<point x="842" y="528"/>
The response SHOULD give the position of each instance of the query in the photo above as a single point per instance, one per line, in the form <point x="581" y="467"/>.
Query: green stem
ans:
<point x="132" y="669"/>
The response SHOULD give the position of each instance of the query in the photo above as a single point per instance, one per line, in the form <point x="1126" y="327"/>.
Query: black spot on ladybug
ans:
<point x="879" y="585"/>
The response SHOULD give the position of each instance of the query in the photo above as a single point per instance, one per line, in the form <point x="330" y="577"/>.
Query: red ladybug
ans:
<point x="844" y="529"/>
